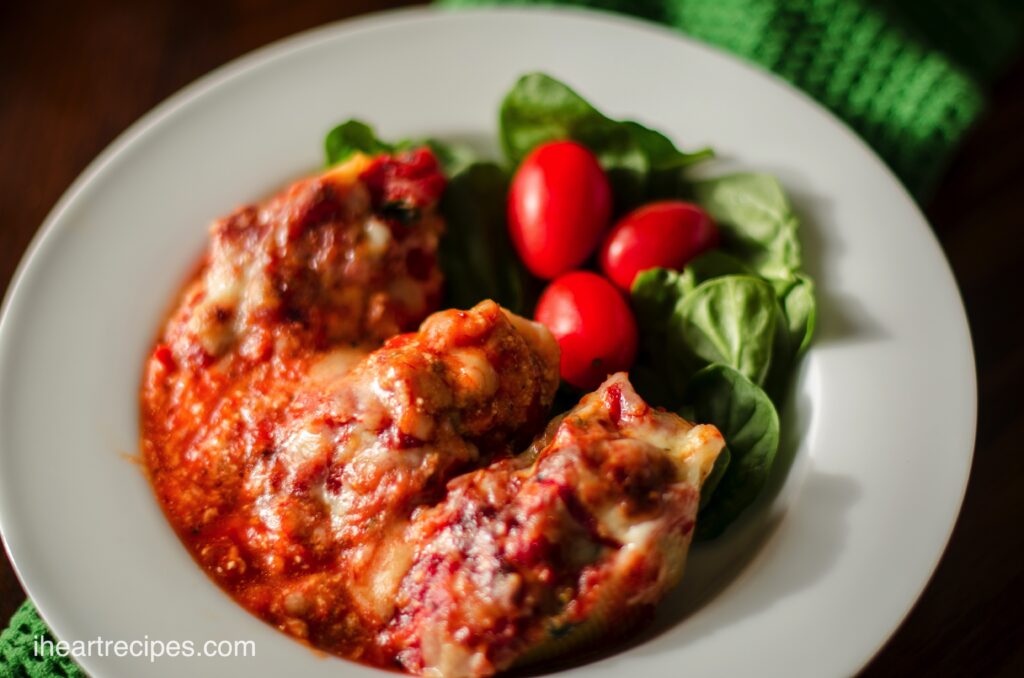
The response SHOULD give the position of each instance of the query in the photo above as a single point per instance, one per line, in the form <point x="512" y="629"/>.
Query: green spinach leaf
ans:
<point x="454" y="157"/>
<point x="476" y="255"/>
<point x="640" y="162"/>
<point x="712" y="264"/>
<point x="797" y="299"/>
<point x="660" y="372"/>
<point x="654" y="296"/>
<point x="750" y="424"/>
<point x="732" y="320"/>
<point x="355" y="136"/>
<point x="351" y="137"/>
<point x="755" y="220"/>
<point x="714" y="478"/>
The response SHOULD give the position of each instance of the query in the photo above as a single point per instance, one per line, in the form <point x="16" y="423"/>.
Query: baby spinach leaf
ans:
<point x="797" y="299"/>
<point x="711" y="264"/>
<point x="714" y="478"/>
<point x="750" y="424"/>
<point x="351" y="137"/>
<point x="730" y="320"/>
<point x="654" y="382"/>
<point x="758" y="225"/>
<point x="355" y="136"/>
<point x="476" y="255"/>
<point x="638" y="160"/>
<point x="660" y="372"/>
<point x="454" y="157"/>
<point x="783" y="358"/>
<point x="755" y="220"/>
<point x="654" y="296"/>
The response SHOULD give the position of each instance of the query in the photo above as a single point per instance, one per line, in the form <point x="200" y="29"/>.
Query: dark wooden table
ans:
<point x="74" y="75"/>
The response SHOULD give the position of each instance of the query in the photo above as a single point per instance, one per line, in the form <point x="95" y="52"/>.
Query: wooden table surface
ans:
<point x="74" y="75"/>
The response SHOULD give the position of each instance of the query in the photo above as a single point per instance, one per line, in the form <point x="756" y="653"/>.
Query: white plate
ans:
<point x="880" y="428"/>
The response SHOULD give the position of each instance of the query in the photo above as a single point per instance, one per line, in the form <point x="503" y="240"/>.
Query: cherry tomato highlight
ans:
<point x="665" y="234"/>
<point x="559" y="207"/>
<point x="593" y="325"/>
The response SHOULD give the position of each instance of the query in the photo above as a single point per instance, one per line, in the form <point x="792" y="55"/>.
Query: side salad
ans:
<point x="593" y="226"/>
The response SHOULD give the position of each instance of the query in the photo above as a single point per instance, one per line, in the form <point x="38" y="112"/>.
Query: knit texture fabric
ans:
<point x="17" y="649"/>
<point x="908" y="75"/>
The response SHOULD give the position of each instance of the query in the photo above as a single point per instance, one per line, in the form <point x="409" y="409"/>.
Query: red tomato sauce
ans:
<point x="291" y="289"/>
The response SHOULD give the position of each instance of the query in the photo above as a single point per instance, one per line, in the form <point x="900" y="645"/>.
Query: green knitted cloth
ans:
<point x="909" y="75"/>
<point x="17" y="649"/>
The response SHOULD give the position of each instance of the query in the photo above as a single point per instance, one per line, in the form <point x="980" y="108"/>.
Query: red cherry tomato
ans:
<point x="662" y="234"/>
<point x="559" y="206"/>
<point x="593" y="325"/>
